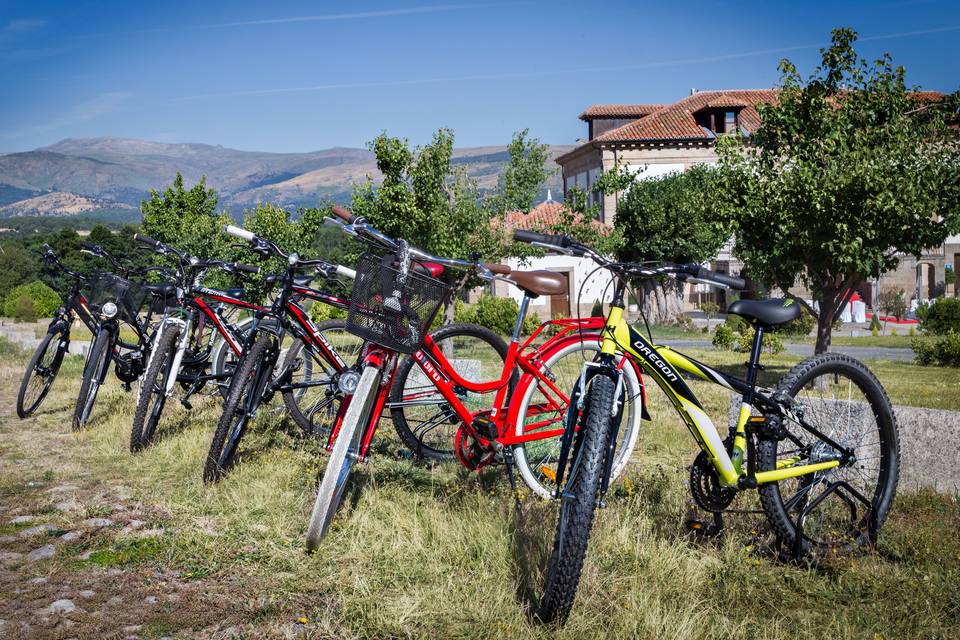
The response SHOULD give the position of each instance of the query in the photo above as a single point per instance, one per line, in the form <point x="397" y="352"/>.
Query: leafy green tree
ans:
<point x="524" y="176"/>
<point x="17" y="266"/>
<point x="848" y="171"/>
<point x="672" y="219"/>
<point x="425" y="199"/>
<point x="186" y="219"/>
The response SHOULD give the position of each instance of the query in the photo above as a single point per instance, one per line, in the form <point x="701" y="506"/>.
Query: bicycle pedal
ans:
<point x="485" y="428"/>
<point x="186" y="404"/>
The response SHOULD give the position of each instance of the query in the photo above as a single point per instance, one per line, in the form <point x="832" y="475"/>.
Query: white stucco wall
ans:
<point x="578" y="268"/>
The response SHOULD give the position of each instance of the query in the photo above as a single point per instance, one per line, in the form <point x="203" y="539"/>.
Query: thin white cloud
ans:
<point x="96" y="107"/>
<point x="555" y="72"/>
<point x="359" y="15"/>
<point x="14" y="28"/>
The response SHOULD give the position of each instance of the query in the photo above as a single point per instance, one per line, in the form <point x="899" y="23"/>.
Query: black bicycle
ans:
<point x="48" y="356"/>
<point x="116" y="302"/>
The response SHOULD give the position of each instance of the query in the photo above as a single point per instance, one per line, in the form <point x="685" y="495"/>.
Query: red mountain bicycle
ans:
<point x="392" y="307"/>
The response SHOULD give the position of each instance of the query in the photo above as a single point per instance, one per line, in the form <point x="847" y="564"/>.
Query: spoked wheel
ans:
<point x="42" y="370"/>
<point x="425" y="422"/>
<point x="94" y="372"/>
<point x="346" y="450"/>
<point x="543" y="408"/>
<point x="314" y="399"/>
<point x="153" y="395"/>
<point x="246" y="391"/>
<point x="578" y="501"/>
<point x="842" y="508"/>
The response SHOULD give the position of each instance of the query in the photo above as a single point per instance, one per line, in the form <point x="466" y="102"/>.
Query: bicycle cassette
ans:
<point x="705" y="486"/>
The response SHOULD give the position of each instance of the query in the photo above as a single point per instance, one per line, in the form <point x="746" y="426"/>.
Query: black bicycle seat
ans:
<point x="768" y="313"/>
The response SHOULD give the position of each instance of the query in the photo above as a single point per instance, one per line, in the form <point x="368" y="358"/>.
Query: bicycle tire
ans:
<point x="303" y="412"/>
<point x="408" y="435"/>
<point x="884" y="491"/>
<point x="219" y="461"/>
<point x="336" y="473"/>
<point x="574" y="355"/>
<point x="154" y="385"/>
<point x="94" y="371"/>
<point x="26" y="407"/>
<point x="579" y="503"/>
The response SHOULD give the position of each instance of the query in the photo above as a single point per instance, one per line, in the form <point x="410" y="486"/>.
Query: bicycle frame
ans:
<point x="664" y="365"/>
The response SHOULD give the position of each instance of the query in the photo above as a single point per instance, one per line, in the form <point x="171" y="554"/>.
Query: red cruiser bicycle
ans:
<point x="392" y="307"/>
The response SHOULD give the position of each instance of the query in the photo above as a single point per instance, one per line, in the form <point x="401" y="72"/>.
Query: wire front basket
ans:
<point x="127" y="295"/>
<point x="394" y="314"/>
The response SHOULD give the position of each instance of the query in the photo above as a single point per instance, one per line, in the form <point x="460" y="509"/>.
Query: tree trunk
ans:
<point x="661" y="302"/>
<point x="825" y="317"/>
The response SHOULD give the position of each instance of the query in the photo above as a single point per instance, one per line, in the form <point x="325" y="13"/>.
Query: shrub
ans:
<point x="685" y="322"/>
<point x="893" y="303"/>
<point x="943" y="351"/>
<point x="737" y="324"/>
<point x="723" y="337"/>
<point x="893" y="331"/>
<point x="912" y="332"/>
<point x="24" y="311"/>
<point x="709" y="309"/>
<point x="802" y="326"/>
<point x="320" y="312"/>
<point x="530" y="324"/>
<point x="874" y="331"/>
<point x="498" y="314"/>
<point x="942" y="316"/>
<point x="771" y="343"/>
<point x="875" y="323"/>
<point x="44" y="300"/>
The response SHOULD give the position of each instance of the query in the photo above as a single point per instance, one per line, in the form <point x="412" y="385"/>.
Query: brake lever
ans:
<point x="552" y="247"/>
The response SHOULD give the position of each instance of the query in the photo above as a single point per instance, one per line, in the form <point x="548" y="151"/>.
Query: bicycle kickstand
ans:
<point x="511" y="476"/>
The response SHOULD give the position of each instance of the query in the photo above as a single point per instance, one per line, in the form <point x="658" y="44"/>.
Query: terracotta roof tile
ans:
<point x="544" y="216"/>
<point x="676" y="122"/>
<point x="619" y="111"/>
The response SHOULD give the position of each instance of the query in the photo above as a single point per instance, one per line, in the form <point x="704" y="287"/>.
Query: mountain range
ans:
<point x="92" y="176"/>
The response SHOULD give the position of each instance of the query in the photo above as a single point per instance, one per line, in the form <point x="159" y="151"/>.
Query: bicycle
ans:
<point x="823" y="484"/>
<point x="256" y="378"/>
<point x="47" y="358"/>
<point x="183" y="351"/>
<point x="391" y="309"/>
<point x="115" y="300"/>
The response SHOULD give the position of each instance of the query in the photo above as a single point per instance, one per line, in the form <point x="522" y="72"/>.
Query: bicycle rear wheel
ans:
<point x="345" y="452"/>
<point x="42" y="370"/>
<point x="314" y="400"/>
<point x="424" y="420"/>
<point x="841" y="398"/>
<point x="543" y="409"/>
<point x="578" y="502"/>
<point x="94" y="372"/>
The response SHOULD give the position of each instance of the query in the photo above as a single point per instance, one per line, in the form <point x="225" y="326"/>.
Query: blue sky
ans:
<point x="298" y="76"/>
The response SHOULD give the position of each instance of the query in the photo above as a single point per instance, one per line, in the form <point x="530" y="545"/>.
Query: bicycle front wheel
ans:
<point x="243" y="399"/>
<point x="153" y="393"/>
<point x="94" y="372"/>
<point x="578" y="502"/>
<point x="543" y="409"/>
<point x="346" y="450"/>
<point x="842" y="399"/>
<point x="42" y="370"/>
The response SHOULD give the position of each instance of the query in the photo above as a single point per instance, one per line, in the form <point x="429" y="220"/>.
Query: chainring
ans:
<point x="705" y="486"/>
<point x="470" y="452"/>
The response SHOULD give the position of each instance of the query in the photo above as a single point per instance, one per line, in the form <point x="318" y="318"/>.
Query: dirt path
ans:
<point x="75" y="550"/>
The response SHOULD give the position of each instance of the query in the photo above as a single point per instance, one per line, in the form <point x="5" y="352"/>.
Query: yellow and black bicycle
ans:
<point x="821" y="448"/>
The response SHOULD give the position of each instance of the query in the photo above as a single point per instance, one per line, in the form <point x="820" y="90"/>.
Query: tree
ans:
<point x="847" y="172"/>
<point x="17" y="266"/>
<point x="186" y="218"/>
<point x="524" y="176"/>
<point x="671" y="219"/>
<point x="423" y="198"/>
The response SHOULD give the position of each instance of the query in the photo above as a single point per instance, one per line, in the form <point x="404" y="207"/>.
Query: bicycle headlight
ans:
<point x="109" y="310"/>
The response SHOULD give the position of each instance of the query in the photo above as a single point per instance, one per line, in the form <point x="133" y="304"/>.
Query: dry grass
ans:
<point x="436" y="552"/>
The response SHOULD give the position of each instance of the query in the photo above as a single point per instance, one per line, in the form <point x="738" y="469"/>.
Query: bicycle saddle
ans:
<point x="161" y="290"/>
<point x="539" y="283"/>
<point x="768" y="313"/>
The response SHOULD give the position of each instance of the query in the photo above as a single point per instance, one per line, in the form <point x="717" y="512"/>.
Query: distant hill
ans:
<point x="89" y="175"/>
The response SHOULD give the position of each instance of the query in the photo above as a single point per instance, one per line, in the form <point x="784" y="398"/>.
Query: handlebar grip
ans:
<point x="237" y="232"/>
<point x="246" y="268"/>
<point x="343" y="214"/>
<point x="146" y="240"/>
<point x="346" y="272"/>
<point x="728" y="281"/>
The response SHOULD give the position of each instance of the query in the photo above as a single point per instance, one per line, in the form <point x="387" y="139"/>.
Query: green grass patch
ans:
<point x="130" y="552"/>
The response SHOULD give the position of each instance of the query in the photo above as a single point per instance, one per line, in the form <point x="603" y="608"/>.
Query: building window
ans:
<point x="730" y="122"/>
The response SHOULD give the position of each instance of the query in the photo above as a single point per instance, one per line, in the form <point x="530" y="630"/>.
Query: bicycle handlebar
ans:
<point x="266" y="247"/>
